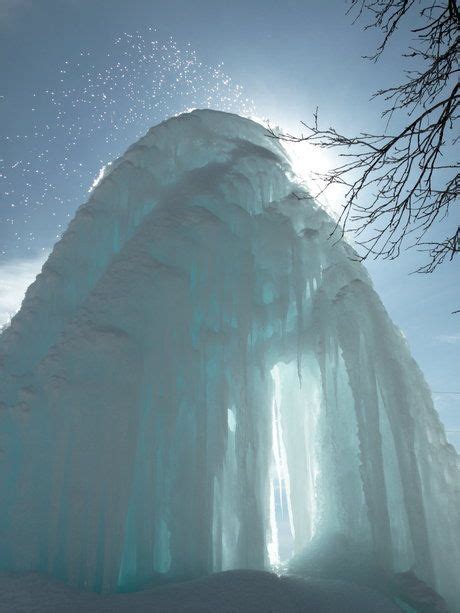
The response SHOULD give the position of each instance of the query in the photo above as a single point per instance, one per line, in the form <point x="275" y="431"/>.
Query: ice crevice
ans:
<point x="200" y="380"/>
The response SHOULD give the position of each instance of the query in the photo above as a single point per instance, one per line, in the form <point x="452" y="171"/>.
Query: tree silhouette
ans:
<point x="399" y="184"/>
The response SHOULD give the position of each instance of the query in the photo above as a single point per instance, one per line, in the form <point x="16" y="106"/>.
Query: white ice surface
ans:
<point x="230" y="592"/>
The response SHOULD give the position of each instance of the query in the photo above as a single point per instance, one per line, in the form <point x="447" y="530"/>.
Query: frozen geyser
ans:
<point x="200" y="378"/>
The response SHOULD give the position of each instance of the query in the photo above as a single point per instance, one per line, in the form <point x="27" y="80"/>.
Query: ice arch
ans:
<point x="138" y="388"/>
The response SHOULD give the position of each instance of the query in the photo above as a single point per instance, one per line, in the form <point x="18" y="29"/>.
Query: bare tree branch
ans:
<point x="440" y="251"/>
<point x="398" y="185"/>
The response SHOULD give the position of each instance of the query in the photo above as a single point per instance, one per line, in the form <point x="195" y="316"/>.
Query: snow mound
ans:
<point x="241" y="591"/>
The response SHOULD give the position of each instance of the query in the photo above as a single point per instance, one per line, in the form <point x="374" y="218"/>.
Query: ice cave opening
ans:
<point x="281" y="545"/>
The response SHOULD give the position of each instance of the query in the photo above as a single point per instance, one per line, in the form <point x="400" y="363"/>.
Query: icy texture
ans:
<point x="243" y="591"/>
<point x="200" y="378"/>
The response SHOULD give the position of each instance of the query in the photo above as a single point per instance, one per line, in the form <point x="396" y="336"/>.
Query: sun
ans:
<point x="308" y="164"/>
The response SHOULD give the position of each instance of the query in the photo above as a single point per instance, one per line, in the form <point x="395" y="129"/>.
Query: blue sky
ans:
<point x="65" y="111"/>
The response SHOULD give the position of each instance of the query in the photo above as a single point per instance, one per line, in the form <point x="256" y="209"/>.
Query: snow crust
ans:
<point x="230" y="592"/>
<point x="201" y="378"/>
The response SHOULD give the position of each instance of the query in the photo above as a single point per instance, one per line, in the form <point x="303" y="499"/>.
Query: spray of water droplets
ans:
<point x="99" y="105"/>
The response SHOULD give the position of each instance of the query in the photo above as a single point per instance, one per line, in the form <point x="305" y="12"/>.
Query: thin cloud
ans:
<point x="451" y="339"/>
<point x="15" y="278"/>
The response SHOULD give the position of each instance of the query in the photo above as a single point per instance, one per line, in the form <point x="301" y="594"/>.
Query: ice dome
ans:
<point x="200" y="379"/>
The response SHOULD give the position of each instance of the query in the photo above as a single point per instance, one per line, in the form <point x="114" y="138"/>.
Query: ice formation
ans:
<point x="200" y="380"/>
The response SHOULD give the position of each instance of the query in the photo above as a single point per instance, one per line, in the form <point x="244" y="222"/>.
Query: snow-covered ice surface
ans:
<point x="200" y="379"/>
<point x="242" y="591"/>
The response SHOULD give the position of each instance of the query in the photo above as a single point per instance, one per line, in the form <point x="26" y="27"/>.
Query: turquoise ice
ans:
<point x="201" y="379"/>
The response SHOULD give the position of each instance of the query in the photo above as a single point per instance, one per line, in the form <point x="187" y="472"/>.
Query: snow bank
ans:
<point x="230" y="592"/>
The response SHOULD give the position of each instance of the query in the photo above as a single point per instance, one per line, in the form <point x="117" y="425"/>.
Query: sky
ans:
<point x="83" y="79"/>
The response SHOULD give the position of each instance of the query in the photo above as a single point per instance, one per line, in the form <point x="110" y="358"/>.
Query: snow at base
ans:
<point x="231" y="592"/>
<point x="200" y="379"/>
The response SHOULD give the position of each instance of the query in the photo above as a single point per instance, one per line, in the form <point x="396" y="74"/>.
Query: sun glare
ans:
<point x="308" y="162"/>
